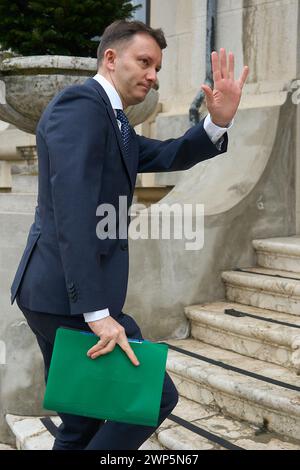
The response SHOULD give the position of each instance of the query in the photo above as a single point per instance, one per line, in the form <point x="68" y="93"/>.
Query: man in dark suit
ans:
<point x="89" y="155"/>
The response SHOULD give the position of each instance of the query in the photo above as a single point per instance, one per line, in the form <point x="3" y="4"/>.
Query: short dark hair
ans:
<point x="122" y="30"/>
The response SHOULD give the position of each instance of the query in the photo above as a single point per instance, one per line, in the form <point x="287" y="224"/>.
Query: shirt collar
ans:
<point x="110" y="90"/>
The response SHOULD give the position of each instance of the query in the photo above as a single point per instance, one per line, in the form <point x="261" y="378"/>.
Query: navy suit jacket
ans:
<point x="65" y="268"/>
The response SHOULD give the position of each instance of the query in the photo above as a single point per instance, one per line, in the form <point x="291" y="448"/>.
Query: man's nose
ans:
<point x="152" y="75"/>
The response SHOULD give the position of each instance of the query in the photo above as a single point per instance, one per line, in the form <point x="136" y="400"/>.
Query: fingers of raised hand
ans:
<point x="222" y="66"/>
<point x="231" y="65"/>
<point x="223" y="69"/>
<point x="244" y="76"/>
<point x="223" y="61"/>
<point x="216" y="66"/>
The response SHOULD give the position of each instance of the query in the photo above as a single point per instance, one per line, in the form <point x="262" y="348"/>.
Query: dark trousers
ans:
<point x="81" y="433"/>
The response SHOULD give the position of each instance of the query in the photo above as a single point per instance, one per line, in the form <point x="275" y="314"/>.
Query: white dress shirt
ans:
<point x="215" y="133"/>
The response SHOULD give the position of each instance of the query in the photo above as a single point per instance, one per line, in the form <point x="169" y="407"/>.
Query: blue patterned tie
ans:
<point x="125" y="129"/>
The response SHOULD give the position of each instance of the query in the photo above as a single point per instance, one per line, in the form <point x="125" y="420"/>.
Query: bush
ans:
<point x="62" y="27"/>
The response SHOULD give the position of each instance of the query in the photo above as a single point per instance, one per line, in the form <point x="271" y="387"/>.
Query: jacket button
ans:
<point x="124" y="247"/>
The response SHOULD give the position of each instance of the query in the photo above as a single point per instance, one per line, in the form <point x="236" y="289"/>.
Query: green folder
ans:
<point x="109" y="387"/>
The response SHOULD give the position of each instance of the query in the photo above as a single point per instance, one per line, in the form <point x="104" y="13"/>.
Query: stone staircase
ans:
<point x="238" y="375"/>
<point x="243" y="356"/>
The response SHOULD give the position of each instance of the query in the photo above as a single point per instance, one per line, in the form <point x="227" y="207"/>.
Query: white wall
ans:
<point x="262" y="34"/>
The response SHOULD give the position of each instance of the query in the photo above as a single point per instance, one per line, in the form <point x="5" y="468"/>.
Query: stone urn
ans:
<point x="27" y="84"/>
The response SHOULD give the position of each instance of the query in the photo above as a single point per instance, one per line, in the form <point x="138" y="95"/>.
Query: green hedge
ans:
<point x="62" y="27"/>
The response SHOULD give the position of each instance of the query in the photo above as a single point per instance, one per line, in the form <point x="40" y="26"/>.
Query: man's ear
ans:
<point x="109" y="59"/>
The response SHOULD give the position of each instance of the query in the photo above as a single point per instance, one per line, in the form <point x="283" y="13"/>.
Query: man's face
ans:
<point x="135" y="67"/>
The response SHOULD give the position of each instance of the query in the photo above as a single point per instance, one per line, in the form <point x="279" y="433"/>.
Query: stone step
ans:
<point x="6" y="447"/>
<point x="199" y="419"/>
<point x="279" y="253"/>
<point x="230" y="386"/>
<point x="271" y="272"/>
<point x="253" y="337"/>
<point x="24" y="183"/>
<point x="18" y="202"/>
<point x="257" y="290"/>
<point x="31" y="434"/>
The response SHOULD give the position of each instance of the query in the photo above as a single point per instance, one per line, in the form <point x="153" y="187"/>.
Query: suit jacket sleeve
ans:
<point x="177" y="154"/>
<point x="75" y="136"/>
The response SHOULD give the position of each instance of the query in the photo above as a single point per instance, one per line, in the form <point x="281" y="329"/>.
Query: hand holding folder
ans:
<point x="109" y="387"/>
<point x="110" y="332"/>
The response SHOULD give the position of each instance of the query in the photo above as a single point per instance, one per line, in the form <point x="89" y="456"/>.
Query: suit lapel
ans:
<point x="127" y="161"/>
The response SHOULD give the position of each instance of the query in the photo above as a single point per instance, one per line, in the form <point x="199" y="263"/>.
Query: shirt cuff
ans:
<point x="98" y="315"/>
<point x="214" y="132"/>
